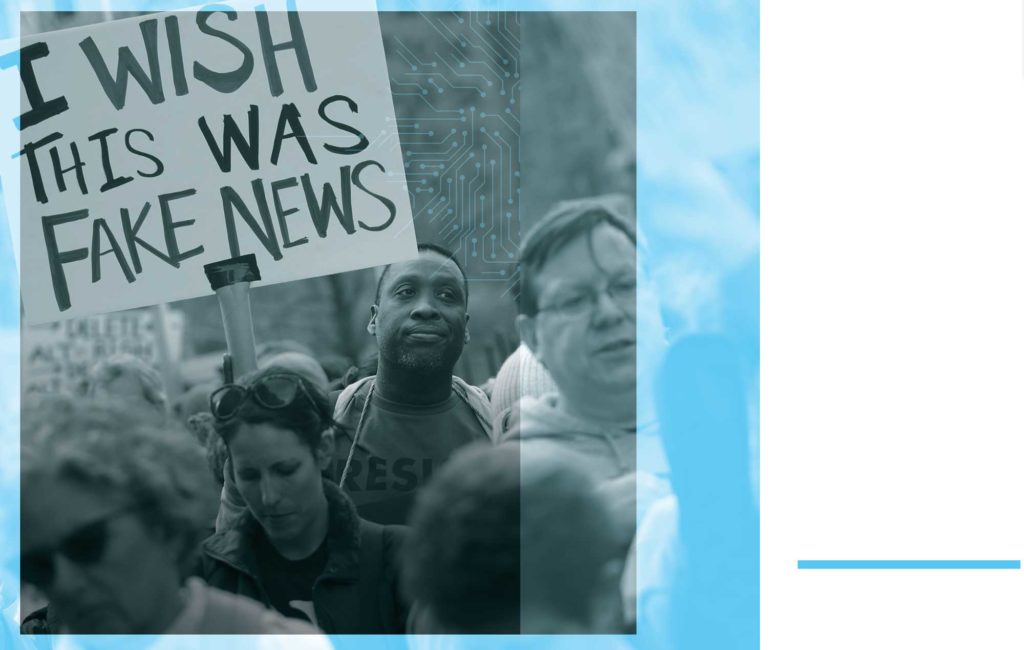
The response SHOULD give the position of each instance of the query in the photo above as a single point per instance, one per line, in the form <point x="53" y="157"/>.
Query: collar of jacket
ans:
<point x="234" y="546"/>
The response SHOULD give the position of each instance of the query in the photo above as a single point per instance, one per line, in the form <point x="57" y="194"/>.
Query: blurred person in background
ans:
<point x="194" y="400"/>
<point x="128" y="380"/>
<point x="578" y="301"/>
<point x="712" y="517"/>
<point x="299" y="363"/>
<point x="336" y="366"/>
<point x="467" y="563"/>
<point x="521" y="375"/>
<point x="578" y="317"/>
<point x="366" y="368"/>
<point x="201" y="426"/>
<point x="299" y="545"/>
<point x="274" y="347"/>
<point x="402" y="424"/>
<point x="112" y="510"/>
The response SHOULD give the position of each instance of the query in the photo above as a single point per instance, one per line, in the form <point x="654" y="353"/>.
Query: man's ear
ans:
<point x="325" y="449"/>
<point x="528" y="333"/>
<point x="371" y="327"/>
<point x="465" y="336"/>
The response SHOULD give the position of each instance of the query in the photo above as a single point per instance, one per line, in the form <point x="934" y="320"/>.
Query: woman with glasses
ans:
<point x="299" y="547"/>
<point x="113" y="509"/>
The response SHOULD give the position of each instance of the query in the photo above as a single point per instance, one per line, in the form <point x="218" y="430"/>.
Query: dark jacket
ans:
<point x="358" y="590"/>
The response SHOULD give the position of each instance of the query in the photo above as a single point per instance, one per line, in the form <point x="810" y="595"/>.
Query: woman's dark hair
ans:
<point x="308" y="415"/>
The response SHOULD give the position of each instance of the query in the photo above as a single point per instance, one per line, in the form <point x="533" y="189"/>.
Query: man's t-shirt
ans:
<point x="289" y="583"/>
<point x="400" y="446"/>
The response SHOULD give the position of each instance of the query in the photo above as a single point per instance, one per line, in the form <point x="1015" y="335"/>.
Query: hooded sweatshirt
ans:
<point x="609" y="452"/>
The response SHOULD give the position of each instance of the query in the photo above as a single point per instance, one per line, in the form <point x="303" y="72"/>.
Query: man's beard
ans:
<point x="430" y="360"/>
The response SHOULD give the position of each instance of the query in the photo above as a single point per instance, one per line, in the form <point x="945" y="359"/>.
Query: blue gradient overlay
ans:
<point x="698" y="195"/>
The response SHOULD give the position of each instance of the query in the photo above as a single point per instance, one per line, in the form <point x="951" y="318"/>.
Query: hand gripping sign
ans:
<point x="153" y="146"/>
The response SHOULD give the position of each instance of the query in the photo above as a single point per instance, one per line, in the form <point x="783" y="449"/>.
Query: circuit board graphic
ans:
<point x="455" y="82"/>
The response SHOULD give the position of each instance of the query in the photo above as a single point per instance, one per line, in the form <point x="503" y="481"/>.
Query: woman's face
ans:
<point x="102" y="568"/>
<point x="278" y="475"/>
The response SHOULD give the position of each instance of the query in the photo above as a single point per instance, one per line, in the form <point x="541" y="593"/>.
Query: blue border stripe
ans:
<point x="908" y="564"/>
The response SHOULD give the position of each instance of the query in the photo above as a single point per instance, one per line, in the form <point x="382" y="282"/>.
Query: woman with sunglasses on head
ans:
<point x="113" y="508"/>
<point x="299" y="547"/>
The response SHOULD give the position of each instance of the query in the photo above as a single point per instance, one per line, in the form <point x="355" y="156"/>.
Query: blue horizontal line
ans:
<point x="908" y="564"/>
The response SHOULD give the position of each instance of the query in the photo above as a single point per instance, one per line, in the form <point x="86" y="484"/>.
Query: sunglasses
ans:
<point x="85" y="546"/>
<point x="271" y="392"/>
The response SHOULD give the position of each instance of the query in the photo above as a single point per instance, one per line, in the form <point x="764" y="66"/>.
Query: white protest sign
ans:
<point x="155" y="145"/>
<point x="56" y="357"/>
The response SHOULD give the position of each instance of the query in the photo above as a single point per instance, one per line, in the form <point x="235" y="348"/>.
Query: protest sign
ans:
<point x="152" y="146"/>
<point x="56" y="357"/>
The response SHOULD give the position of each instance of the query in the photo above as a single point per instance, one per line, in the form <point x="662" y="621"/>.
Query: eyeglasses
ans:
<point x="272" y="392"/>
<point x="578" y="303"/>
<point x="85" y="546"/>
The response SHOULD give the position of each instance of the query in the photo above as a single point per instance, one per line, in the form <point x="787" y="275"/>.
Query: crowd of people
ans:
<point x="394" y="499"/>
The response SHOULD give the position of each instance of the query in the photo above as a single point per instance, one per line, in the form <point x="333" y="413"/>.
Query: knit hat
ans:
<point x="521" y="375"/>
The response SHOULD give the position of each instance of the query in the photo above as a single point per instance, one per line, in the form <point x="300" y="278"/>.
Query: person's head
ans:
<point x="130" y="381"/>
<point x="335" y="366"/>
<point x="419" y="315"/>
<point x="278" y="430"/>
<point x="508" y="539"/>
<point x="578" y="306"/>
<point x="201" y="426"/>
<point x="270" y="348"/>
<point x="299" y="363"/>
<point x="113" y="507"/>
<point x="521" y="375"/>
<point x="193" y="401"/>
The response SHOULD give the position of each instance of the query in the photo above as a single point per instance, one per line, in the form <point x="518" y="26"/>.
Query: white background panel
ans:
<point x="892" y="320"/>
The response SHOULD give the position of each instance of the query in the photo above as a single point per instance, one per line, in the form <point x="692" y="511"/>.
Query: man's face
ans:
<point x="420" y="320"/>
<point x="585" y="330"/>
